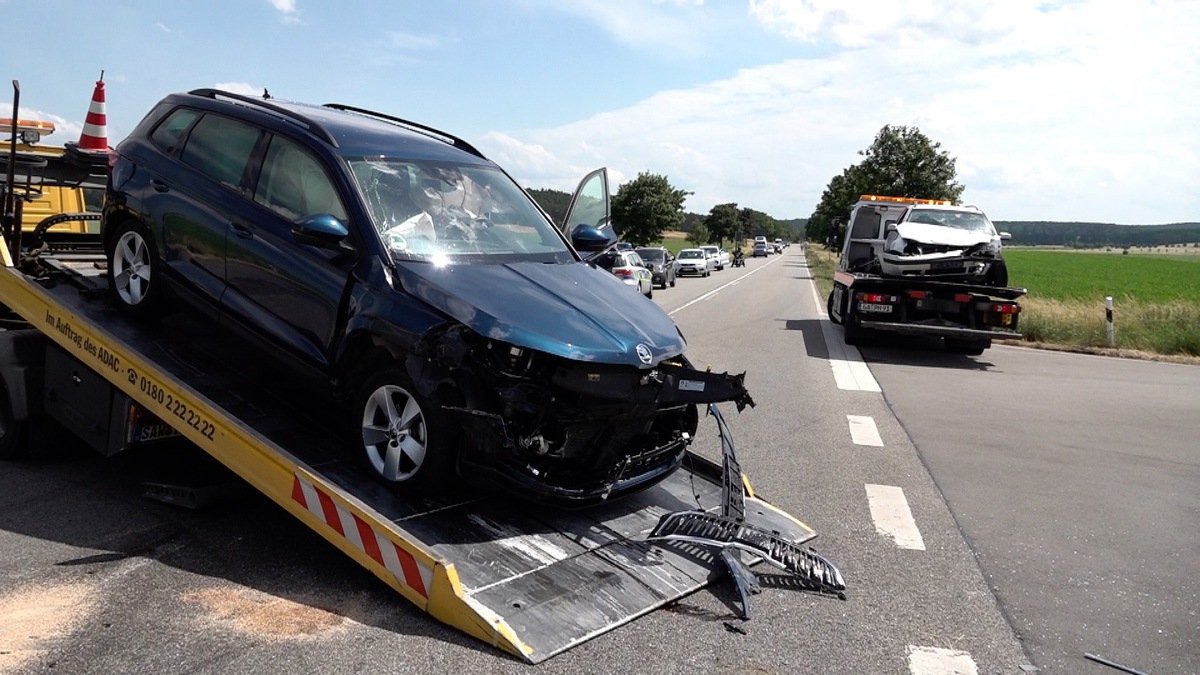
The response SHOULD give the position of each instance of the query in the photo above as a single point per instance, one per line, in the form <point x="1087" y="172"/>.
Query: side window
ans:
<point x="294" y="185"/>
<point x="221" y="147"/>
<point x="169" y="133"/>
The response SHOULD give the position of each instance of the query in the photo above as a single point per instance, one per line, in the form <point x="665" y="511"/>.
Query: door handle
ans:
<point x="242" y="232"/>
<point x="160" y="186"/>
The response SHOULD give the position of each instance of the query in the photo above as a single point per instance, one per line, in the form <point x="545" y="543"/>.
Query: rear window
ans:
<point x="651" y="254"/>
<point x="221" y="147"/>
<point x="169" y="133"/>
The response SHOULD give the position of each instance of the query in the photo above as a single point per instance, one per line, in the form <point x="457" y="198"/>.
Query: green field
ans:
<point x="1072" y="275"/>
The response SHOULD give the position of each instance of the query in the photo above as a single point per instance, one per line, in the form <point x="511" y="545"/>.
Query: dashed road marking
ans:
<point x="849" y="370"/>
<point x="935" y="661"/>
<point x="723" y="286"/>
<point x="863" y="431"/>
<point x="893" y="518"/>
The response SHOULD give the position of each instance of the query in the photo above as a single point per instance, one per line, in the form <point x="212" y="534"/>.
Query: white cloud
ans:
<point x="1078" y="111"/>
<point x="240" y="88"/>
<point x="287" y="9"/>
<point x="661" y="25"/>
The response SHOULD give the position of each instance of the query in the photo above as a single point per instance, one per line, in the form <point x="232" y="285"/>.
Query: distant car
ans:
<point x="661" y="264"/>
<point x="779" y="245"/>
<point x="719" y="256"/>
<point x="694" y="261"/>
<point x="760" y="249"/>
<point x="629" y="268"/>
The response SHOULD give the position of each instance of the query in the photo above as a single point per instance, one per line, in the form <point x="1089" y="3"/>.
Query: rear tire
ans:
<point x="134" y="269"/>
<point x="403" y="439"/>
<point x="829" y="309"/>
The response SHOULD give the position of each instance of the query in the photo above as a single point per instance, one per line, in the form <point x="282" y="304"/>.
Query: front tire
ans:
<point x="403" y="438"/>
<point x="134" y="269"/>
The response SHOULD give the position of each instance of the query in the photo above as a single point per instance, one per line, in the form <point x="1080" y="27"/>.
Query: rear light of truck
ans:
<point x="999" y="307"/>
<point x="962" y="297"/>
<point x="878" y="298"/>
<point x="918" y="295"/>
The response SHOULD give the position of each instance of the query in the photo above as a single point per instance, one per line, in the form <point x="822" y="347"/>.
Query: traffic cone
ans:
<point x="94" y="137"/>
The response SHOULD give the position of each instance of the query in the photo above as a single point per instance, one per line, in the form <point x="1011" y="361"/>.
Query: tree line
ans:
<point x="900" y="162"/>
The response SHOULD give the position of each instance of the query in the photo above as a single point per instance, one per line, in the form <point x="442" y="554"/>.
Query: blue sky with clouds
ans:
<point x="1069" y="110"/>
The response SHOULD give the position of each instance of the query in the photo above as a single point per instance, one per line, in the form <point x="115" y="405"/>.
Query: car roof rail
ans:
<point x="409" y="124"/>
<point x="312" y="125"/>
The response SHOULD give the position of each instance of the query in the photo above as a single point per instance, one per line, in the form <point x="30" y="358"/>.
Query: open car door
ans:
<point x="588" y="222"/>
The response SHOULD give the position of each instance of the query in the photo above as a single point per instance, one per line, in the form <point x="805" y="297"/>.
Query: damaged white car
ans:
<point x="956" y="243"/>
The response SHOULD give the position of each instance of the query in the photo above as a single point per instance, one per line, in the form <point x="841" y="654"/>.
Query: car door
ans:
<point x="288" y="292"/>
<point x="191" y="200"/>
<point x="589" y="207"/>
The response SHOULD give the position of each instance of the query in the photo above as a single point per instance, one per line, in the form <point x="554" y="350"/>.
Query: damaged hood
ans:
<point x="570" y="310"/>
<point x="942" y="235"/>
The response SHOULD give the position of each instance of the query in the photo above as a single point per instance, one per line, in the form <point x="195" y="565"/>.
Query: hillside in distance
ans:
<point x="1042" y="233"/>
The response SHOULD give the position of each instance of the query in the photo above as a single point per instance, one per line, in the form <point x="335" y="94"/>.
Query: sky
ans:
<point x="1059" y="110"/>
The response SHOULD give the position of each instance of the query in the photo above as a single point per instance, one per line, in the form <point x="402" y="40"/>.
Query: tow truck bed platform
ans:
<point x="530" y="580"/>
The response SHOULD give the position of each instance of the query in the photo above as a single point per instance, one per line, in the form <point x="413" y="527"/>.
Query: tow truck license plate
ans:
<point x="872" y="307"/>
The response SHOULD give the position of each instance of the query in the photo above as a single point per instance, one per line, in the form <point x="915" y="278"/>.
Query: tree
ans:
<point x="698" y="236"/>
<point x="722" y="223"/>
<point x="645" y="207"/>
<point x="555" y="203"/>
<point x="901" y="162"/>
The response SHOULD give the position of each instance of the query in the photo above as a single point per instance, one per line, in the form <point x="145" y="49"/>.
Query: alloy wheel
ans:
<point x="394" y="433"/>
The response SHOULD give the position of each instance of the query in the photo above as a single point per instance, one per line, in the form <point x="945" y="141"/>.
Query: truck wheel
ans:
<point x="829" y="309"/>
<point x="404" y="439"/>
<point x="968" y="347"/>
<point x="134" y="270"/>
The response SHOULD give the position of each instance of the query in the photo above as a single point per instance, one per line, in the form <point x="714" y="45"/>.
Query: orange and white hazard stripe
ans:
<point x="403" y="566"/>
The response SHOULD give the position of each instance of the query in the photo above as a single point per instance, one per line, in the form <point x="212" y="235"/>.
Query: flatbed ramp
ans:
<point x="530" y="580"/>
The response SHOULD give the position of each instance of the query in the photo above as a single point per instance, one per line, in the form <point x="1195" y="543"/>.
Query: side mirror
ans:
<point x="589" y="239"/>
<point x="1005" y="236"/>
<point x="321" y="230"/>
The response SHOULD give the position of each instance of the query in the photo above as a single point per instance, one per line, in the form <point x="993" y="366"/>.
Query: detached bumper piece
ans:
<point x="765" y="534"/>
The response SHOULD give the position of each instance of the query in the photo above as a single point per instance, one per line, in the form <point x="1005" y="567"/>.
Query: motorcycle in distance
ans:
<point x="739" y="258"/>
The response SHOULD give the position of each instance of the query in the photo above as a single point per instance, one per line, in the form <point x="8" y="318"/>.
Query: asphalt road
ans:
<point x="96" y="579"/>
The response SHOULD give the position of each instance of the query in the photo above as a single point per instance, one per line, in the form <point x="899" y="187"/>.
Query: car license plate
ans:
<point x="872" y="307"/>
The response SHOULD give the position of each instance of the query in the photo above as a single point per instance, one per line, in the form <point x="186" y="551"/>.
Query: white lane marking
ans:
<point x="849" y="370"/>
<point x="893" y="518"/>
<point x="863" y="431"/>
<point x="718" y="289"/>
<point x="935" y="661"/>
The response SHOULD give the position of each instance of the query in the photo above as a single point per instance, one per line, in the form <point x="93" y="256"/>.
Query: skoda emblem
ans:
<point x="643" y="353"/>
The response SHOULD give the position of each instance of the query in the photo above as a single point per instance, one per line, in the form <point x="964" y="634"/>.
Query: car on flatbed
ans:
<point x="400" y="270"/>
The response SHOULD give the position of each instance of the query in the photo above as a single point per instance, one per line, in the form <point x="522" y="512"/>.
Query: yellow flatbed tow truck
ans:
<point x="529" y="580"/>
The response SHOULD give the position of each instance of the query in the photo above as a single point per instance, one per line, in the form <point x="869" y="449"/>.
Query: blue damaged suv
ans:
<point x="464" y="334"/>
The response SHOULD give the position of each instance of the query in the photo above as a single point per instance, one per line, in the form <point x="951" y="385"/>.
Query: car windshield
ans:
<point x="963" y="220"/>
<point x="438" y="211"/>
<point x="691" y="253"/>
<point x="654" y="255"/>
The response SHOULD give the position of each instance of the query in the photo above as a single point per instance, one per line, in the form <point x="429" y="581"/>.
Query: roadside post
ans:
<point x="1108" y="317"/>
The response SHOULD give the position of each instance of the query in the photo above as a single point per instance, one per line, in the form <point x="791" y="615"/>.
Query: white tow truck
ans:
<point x="530" y="580"/>
<point x="923" y="267"/>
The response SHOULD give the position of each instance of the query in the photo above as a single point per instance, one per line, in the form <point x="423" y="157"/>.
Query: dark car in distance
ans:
<point x="662" y="265"/>
<point x="462" y="334"/>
